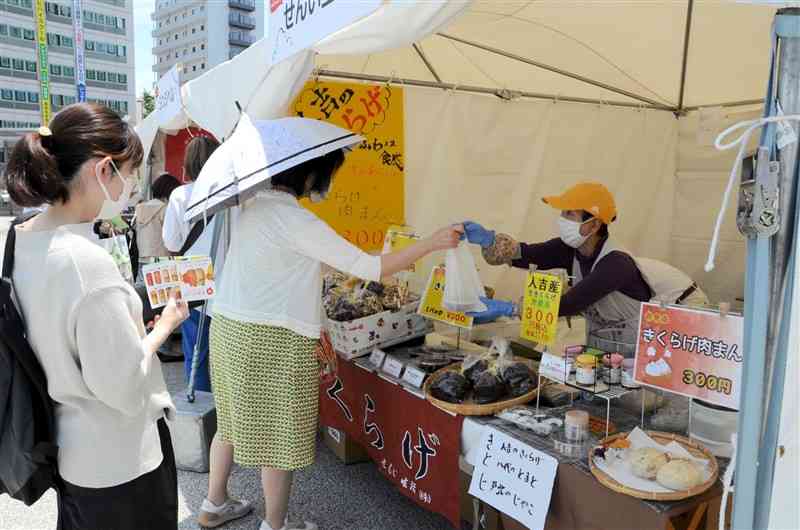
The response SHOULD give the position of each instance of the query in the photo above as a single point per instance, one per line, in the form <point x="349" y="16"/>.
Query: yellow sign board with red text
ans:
<point x="540" y="308"/>
<point x="367" y="195"/>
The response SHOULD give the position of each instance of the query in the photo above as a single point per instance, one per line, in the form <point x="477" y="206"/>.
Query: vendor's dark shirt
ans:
<point x="617" y="271"/>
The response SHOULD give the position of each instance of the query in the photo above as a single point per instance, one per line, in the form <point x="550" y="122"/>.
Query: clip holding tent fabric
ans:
<point x="724" y="309"/>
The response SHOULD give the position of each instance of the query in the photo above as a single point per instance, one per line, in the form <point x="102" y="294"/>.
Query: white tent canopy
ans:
<point x="674" y="54"/>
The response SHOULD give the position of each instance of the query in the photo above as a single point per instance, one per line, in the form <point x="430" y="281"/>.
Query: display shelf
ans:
<point x="609" y="394"/>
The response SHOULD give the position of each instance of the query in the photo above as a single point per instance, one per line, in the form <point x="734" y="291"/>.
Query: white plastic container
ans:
<point x="713" y="425"/>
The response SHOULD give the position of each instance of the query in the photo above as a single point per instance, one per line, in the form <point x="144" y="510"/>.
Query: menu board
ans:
<point x="367" y="195"/>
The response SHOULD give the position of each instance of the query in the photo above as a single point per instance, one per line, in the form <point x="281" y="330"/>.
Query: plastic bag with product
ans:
<point x="462" y="287"/>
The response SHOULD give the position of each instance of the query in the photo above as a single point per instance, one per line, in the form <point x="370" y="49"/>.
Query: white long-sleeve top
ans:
<point x="273" y="271"/>
<point x="84" y="324"/>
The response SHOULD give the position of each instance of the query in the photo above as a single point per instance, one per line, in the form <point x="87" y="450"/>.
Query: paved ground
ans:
<point x="335" y="496"/>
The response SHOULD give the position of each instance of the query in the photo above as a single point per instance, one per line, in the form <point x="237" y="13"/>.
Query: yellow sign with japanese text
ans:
<point x="432" y="307"/>
<point x="367" y="195"/>
<point x="540" y="308"/>
<point x="42" y="63"/>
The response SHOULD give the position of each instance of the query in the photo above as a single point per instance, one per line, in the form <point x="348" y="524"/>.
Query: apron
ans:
<point x="612" y="323"/>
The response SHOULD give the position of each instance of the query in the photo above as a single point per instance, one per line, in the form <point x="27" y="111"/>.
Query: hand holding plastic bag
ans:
<point x="463" y="287"/>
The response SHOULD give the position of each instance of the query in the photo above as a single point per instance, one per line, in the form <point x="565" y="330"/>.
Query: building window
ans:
<point x="185" y="69"/>
<point x="19" y="64"/>
<point x="194" y="49"/>
<point x="176" y="55"/>
<point x="202" y="46"/>
<point x="194" y="68"/>
<point x="3" y="29"/>
<point x="101" y="76"/>
<point x="69" y="71"/>
<point x="160" y="42"/>
<point x="202" y="27"/>
<point x="5" y="62"/>
<point x="30" y="66"/>
<point x="33" y="97"/>
<point x="122" y="79"/>
<point x="21" y="96"/>
<point x="185" y="52"/>
<point x="55" y="69"/>
<point x="185" y="33"/>
<point x="202" y="66"/>
<point x="28" y="34"/>
<point x="7" y="94"/>
<point x="66" y="42"/>
<point x="193" y="11"/>
<point x="194" y="30"/>
<point x="91" y="75"/>
<point x="176" y="36"/>
<point x="16" y="32"/>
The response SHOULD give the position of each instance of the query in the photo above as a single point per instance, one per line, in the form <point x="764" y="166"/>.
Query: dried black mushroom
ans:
<point x="488" y="388"/>
<point x="451" y="387"/>
<point x="519" y="379"/>
<point x="475" y="370"/>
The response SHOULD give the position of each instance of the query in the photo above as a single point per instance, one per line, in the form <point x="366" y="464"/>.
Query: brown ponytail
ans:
<point x="42" y="166"/>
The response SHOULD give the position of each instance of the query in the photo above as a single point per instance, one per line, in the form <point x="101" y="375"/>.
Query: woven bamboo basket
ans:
<point x="469" y="407"/>
<point x="663" y="438"/>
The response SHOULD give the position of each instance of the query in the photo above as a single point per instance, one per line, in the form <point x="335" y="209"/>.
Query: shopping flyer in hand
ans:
<point x="191" y="278"/>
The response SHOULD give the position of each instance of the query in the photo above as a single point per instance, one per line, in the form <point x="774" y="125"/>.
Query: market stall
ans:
<point x="491" y="109"/>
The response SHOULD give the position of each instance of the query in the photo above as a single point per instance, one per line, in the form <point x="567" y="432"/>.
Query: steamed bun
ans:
<point x="647" y="461"/>
<point x="680" y="475"/>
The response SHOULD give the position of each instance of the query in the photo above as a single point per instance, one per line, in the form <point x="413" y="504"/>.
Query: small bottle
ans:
<point x="613" y="368"/>
<point x="576" y="425"/>
<point x="586" y="369"/>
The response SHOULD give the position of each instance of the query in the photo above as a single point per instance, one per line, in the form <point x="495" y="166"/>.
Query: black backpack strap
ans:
<point x="11" y="237"/>
<point x="194" y="235"/>
<point x="8" y="254"/>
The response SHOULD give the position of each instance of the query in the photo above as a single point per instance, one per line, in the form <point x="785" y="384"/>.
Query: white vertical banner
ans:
<point x="80" y="47"/>
<point x="168" y="95"/>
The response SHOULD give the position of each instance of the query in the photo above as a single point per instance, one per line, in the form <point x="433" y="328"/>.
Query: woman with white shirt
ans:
<point x="84" y="323"/>
<point x="266" y="327"/>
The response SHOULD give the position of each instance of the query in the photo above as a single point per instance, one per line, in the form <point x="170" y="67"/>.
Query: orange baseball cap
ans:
<point x="590" y="197"/>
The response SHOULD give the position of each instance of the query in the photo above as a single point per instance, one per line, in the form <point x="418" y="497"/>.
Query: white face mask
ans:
<point x="570" y="232"/>
<point x="112" y="208"/>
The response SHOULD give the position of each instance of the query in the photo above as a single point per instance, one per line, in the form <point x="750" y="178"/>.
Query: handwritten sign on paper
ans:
<point x="168" y="95"/>
<point x="367" y="193"/>
<point x="540" y="308"/>
<point x="514" y="478"/>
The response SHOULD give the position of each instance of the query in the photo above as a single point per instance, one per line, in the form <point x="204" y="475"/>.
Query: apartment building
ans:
<point x="109" y="59"/>
<point x="199" y="34"/>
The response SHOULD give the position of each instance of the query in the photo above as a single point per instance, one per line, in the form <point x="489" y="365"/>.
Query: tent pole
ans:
<point x="428" y="65"/>
<point x="685" y="62"/>
<point x="553" y="69"/>
<point x="787" y="28"/>
<point x="484" y="90"/>
<point x="731" y="104"/>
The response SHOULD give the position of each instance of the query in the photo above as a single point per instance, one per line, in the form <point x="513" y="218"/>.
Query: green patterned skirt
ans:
<point x="266" y="388"/>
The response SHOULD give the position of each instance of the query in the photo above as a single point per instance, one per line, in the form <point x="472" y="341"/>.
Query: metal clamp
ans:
<point x="758" y="211"/>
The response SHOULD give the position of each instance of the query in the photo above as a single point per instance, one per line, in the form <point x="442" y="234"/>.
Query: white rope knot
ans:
<point x="742" y="141"/>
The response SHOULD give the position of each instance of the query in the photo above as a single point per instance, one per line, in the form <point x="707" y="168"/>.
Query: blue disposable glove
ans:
<point x="494" y="310"/>
<point x="478" y="235"/>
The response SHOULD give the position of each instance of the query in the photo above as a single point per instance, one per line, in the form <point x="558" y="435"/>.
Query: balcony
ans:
<point x="242" y="21"/>
<point x="240" y="38"/>
<point x="246" y="5"/>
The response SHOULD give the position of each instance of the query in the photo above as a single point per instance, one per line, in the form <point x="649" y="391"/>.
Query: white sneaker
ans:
<point x="290" y="526"/>
<point x="212" y="516"/>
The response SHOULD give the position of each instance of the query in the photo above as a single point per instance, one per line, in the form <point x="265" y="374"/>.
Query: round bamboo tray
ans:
<point x="663" y="438"/>
<point x="469" y="407"/>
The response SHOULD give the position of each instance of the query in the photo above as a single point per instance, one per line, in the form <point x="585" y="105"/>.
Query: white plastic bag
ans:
<point x="462" y="285"/>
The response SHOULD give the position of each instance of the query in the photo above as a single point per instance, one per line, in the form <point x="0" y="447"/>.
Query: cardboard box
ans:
<point x="348" y="451"/>
<point x="359" y="337"/>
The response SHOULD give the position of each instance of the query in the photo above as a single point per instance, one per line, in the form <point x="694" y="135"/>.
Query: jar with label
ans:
<point x="585" y="369"/>
<point x="576" y="425"/>
<point x="612" y="363"/>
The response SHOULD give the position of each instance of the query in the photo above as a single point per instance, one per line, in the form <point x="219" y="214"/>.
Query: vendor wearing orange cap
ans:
<point x="609" y="284"/>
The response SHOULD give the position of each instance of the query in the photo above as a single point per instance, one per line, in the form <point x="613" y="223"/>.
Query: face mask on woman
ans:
<point x="112" y="208"/>
<point x="570" y="232"/>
